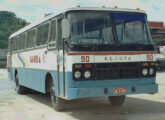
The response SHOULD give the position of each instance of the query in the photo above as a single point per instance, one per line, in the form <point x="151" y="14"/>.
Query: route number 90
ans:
<point x="150" y="57"/>
<point x="84" y="58"/>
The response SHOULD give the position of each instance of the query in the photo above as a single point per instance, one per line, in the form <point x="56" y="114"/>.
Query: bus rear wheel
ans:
<point x="117" y="100"/>
<point x="19" y="89"/>
<point x="57" y="103"/>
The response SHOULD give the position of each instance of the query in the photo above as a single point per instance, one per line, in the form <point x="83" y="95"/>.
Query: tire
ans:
<point x="117" y="100"/>
<point x="19" y="89"/>
<point x="57" y="103"/>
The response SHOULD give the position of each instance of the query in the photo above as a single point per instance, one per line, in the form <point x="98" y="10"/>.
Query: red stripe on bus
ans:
<point x="111" y="53"/>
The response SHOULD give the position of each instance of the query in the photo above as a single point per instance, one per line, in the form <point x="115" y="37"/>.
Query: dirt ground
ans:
<point x="36" y="106"/>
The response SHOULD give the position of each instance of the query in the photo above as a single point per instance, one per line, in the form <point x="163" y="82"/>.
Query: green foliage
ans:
<point x="9" y="23"/>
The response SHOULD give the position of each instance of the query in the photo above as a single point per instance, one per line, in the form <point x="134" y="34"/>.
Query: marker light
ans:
<point x="145" y="72"/>
<point x="144" y="64"/>
<point x="153" y="64"/>
<point x="87" y="74"/>
<point x="88" y="66"/>
<point x="77" y="74"/>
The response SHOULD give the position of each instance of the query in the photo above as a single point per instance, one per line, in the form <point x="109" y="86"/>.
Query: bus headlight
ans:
<point x="152" y="71"/>
<point x="87" y="74"/>
<point x="145" y="72"/>
<point x="77" y="74"/>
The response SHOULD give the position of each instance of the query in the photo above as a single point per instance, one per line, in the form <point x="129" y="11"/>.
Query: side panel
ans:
<point x="32" y="67"/>
<point x="35" y="59"/>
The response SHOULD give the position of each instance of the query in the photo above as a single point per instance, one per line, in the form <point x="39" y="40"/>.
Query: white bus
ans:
<point x="85" y="52"/>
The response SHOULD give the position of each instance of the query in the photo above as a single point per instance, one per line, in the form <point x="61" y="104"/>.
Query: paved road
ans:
<point x="37" y="106"/>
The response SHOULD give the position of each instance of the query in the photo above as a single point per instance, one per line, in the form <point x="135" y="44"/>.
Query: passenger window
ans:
<point x="45" y="34"/>
<point x="20" y="43"/>
<point x="42" y="34"/>
<point x="16" y="44"/>
<point x="31" y="37"/>
<point x="39" y="36"/>
<point x="24" y="40"/>
<point x="12" y="44"/>
<point x="52" y="39"/>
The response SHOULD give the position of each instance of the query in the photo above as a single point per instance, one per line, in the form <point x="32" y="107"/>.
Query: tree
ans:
<point x="9" y="23"/>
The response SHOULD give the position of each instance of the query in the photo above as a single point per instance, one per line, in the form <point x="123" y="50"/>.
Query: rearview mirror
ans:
<point x="65" y="29"/>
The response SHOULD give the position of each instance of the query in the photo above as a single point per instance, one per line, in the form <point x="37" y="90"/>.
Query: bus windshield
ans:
<point x="103" y="31"/>
<point x="131" y="28"/>
<point x="91" y="28"/>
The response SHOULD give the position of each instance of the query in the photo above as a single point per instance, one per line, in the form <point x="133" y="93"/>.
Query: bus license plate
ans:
<point x="120" y="90"/>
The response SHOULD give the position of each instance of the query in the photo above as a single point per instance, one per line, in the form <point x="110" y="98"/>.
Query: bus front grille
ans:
<point x="108" y="71"/>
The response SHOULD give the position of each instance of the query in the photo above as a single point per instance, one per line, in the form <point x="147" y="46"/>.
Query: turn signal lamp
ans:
<point x="88" y="66"/>
<point x="137" y="8"/>
<point x="144" y="64"/>
<point x="78" y="66"/>
<point x="78" y="6"/>
<point x="153" y="64"/>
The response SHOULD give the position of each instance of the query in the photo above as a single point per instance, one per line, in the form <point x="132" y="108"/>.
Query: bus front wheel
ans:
<point x="57" y="102"/>
<point x="19" y="89"/>
<point x="117" y="100"/>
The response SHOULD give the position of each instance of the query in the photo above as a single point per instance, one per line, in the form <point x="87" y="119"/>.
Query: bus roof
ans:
<point x="32" y="25"/>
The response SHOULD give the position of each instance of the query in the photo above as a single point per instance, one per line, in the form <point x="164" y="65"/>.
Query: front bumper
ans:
<point x="74" y="93"/>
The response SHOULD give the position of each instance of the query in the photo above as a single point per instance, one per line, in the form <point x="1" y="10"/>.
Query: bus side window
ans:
<point x="45" y="34"/>
<point x="22" y="41"/>
<point x="42" y="34"/>
<point x="52" y="38"/>
<point x="17" y="39"/>
<point x="31" y="36"/>
<point x="11" y="44"/>
<point x="16" y="44"/>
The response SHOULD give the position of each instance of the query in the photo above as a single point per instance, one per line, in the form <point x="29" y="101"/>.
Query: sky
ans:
<point x="33" y="10"/>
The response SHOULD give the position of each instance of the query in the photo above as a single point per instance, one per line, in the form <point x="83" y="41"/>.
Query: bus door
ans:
<point x="61" y="61"/>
